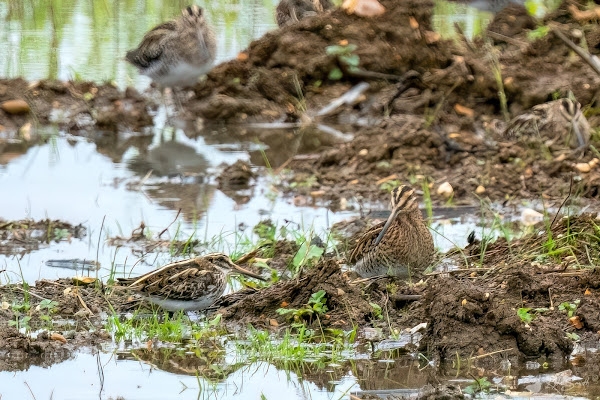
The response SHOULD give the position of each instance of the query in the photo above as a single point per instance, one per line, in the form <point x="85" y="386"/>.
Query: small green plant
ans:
<point x="573" y="336"/>
<point x="346" y="58"/>
<point x="376" y="311"/>
<point x="307" y="254"/>
<point x="388" y="186"/>
<point x="305" y="183"/>
<point x="528" y="314"/>
<point x="524" y="314"/>
<point x="316" y="306"/>
<point x="479" y="385"/>
<point x="46" y="309"/>
<point x="570" y="308"/>
<point x="538" y="33"/>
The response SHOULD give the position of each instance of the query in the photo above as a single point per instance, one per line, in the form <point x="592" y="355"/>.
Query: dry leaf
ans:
<point x="413" y="23"/>
<point x="242" y="56"/>
<point x="363" y="152"/>
<point x="273" y="322"/>
<point x="576" y="322"/>
<point x="284" y="304"/>
<point x="340" y="292"/>
<point x="432" y="37"/>
<point x="464" y="302"/>
<point x="354" y="182"/>
<point x="149" y="345"/>
<point x="58" y="337"/>
<point x="464" y="110"/>
<point x="15" y="106"/>
<point x="317" y="193"/>
<point x="387" y="178"/>
<point x="586" y="293"/>
<point x="67" y="291"/>
<point x="5" y="305"/>
<point x="480" y="190"/>
<point x="83" y="280"/>
<point x="343" y="42"/>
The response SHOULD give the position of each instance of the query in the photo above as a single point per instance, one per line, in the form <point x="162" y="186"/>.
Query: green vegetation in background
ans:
<point x="88" y="39"/>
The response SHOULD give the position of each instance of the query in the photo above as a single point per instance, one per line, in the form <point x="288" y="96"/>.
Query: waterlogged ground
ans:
<point x="104" y="204"/>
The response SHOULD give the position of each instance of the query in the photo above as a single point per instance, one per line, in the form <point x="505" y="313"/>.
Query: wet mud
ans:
<point x="24" y="236"/>
<point x="72" y="106"/>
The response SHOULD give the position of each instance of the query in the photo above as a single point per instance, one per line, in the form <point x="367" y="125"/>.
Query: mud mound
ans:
<point x="287" y="65"/>
<point x="73" y="106"/>
<point x="259" y="308"/>
<point x="520" y="303"/>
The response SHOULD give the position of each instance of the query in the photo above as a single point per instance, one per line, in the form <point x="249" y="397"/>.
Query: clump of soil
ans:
<point x="345" y="304"/>
<point x="235" y="180"/>
<point x="74" y="106"/>
<point x="236" y="176"/>
<point x="477" y="309"/>
<point x="27" y="235"/>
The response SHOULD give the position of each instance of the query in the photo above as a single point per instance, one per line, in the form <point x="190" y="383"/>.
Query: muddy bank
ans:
<point x="442" y="121"/>
<point x="73" y="106"/>
<point x="529" y="299"/>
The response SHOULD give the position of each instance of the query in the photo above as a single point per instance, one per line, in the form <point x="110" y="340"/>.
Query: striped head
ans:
<point x="571" y="112"/>
<point x="193" y="14"/>
<point x="403" y="199"/>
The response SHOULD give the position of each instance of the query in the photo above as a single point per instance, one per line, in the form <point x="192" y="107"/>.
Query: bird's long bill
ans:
<point x="389" y="221"/>
<point x="248" y="273"/>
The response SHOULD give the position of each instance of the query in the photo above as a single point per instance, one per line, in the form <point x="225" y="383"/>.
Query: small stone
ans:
<point x="15" y="106"/>
<point x="273" y="322"/>
<point x="583" y="167"/>
<point x="445" y="189"/>
<point x="530" y="217"/>
<point x="480" y="190"/>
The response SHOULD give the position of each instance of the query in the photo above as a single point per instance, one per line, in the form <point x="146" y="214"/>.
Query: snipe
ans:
<point x="398" y="247"/>
<point x="177" y="52"/>
<point x="560" y="121"/>
<point x="187" y="285"/>
<point x="290" y="11"/>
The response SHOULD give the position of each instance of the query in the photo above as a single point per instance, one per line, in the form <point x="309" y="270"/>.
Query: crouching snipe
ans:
<point x="398" y="247"/>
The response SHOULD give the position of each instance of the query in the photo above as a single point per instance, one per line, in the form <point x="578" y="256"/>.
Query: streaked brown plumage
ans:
<point x="291" y="11"/>
<point x="177" y="52"/>
<point x="187" y="285"/>
<point x="560" y="121"/>
<point x="400" y="246"/>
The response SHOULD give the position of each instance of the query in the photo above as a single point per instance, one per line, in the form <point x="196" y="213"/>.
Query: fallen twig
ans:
<point x="585" y="55"/>
<point x="164" y="230"/>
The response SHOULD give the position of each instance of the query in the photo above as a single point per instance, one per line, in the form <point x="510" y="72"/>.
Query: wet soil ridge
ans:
<point x="443" y="121"/>
<point x="532" y="296"/>
<point x="24" y="236"/>
<point x="288" y="66"/>
<point x="73" y="106"/>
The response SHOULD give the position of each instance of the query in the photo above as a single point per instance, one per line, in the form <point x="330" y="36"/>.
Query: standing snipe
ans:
<point x="398" y="247"/>
<point x="177" y="52"/>
<point x="187" y="285"/>
<point x="556" y="121"/>
<point x="290" y="11"/>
